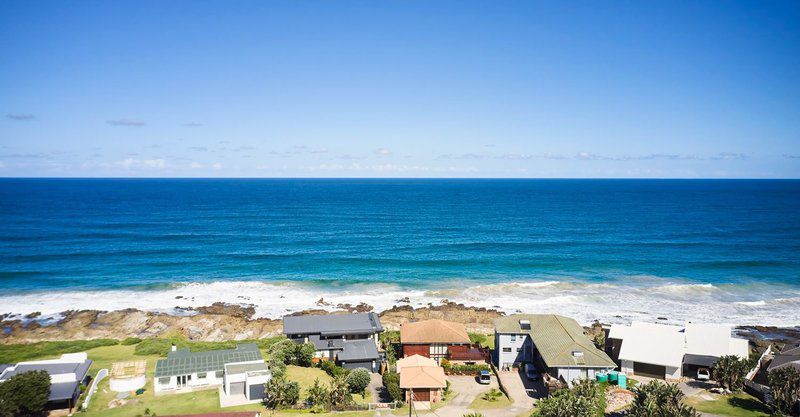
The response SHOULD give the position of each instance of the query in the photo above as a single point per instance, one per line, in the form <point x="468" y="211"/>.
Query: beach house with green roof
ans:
<point x="240" y="372"/>
<point x="554" y="344"/>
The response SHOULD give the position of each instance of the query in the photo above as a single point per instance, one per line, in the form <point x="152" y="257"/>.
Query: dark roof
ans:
<point x="79" y="369"/>
<point x="782" y="361"/>
<point x="62" y="391"/>
<point x="183" y="362"/>
<point x="332" y="324"/>
<point x="699" y="360"/>
<point x="326" y="344"/>
<point x="358" y="350"/>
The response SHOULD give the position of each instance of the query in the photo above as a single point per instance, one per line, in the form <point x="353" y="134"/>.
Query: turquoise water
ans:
<point x="517" y="244"/>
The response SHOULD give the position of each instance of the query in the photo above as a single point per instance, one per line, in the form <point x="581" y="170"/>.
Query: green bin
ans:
<point x="613" y="376"/>
<point x="622" y="381"/>
<point x="601" y="377"/>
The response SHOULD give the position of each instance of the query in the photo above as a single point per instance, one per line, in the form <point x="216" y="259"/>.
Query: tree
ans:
<point x="24" y="394"/>
<point x="291" y="353"/>
<point x="277" y="367"/>
<point x="318" y="395"/>
<point x="391" y="380"/>
<point x="566" y="403"/>
<point x="658" y="399"/>
<point x="585" y="399"/>
<point x="729" y="372"/>
<point x="358" y="380"/>
<point x="278" y="393"/>
<point x="785" y="385"/>
<point x="340" y="392"/>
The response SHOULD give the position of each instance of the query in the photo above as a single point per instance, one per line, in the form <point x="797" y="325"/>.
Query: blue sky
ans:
<point x="400" y="89"/>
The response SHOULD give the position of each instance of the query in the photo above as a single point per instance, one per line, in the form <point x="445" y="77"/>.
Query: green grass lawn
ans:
<point x="481" y="404"/>
<point x="736" y="405"/>
<point x="306" y="376"/>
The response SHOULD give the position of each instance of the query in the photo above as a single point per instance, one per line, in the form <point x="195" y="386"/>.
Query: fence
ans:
<point x="99" y="377"/>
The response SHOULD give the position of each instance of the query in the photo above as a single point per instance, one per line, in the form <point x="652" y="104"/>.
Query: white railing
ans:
<point x="99" y="377"/>
<point x="752" y="374"/>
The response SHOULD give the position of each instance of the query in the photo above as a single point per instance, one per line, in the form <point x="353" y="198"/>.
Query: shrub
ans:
<point x="280" y="393"/>
<point x="277" y="367"/>
<point x="457" y="369"/>
<point x="318" y="396"/>
<point x="25" y="394"/>
<point x="128" y="341"/>
<point x="340" y="393"/>
<point x="729" y="372"/>
<point x="391" y="380"/>
<point x="659" y="399"/>
<point x="492" y="395"/>
<point x="292" y="353"/>
<point x="479" y="339"/>
<point x="332" y="369"/>
<point x="358" y="380"/>
<point x="785" y="384"/>
<point x="585" y="399"/>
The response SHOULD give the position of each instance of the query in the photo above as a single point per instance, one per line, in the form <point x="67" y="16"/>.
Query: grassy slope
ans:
<point x="737" y="405"/>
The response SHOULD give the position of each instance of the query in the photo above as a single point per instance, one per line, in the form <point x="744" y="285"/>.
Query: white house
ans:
<point x="669" y="352"/>
<point x="241" y="372"/>
<point x="66" y="375"/>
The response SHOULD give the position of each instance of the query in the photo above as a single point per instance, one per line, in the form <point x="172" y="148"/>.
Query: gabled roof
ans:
<point x="63" y="385"/>
<point x="422" y="377"/>
<point x="358" y="350"/>
<point x="560" y="340"/>
<point x="414" y="360"/>
<point x="183" y="362"/>
<point x="790" y="357"/>
<point x="332" y="324"/>
<point x="433" y="331"/>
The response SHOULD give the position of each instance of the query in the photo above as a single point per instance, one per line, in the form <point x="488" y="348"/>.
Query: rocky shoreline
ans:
<point x="221" y="321"/>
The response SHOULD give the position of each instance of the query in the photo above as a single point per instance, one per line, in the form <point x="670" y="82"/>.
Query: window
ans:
<point x="519" y="350"/>
<point x="513" y="338"/>
<point x="219" y="374"/>
<point x="506" y="350"/>
<point x="201" y="375"/>
<point x="164" y="380"/>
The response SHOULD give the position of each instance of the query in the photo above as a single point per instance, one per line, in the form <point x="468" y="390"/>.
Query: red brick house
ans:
<point x="438" y="339"/>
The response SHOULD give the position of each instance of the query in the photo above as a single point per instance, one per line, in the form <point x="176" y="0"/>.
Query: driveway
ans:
<point x="467" y="389"/>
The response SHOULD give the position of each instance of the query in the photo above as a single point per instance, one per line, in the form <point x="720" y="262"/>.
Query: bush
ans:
<point x="456" y="369"/>
<point x="277" y="367"/>
<point x="479" y="339"/>
<point x="729" y="372"/>
<point x="318" y="396"/>
<point x="659" y="399"/>
<point x="128" y="341"/>
<point x="332" y="369"/>
<point x="280" y="393"/>
<point x="492" y="395"/>
<point x="292" y="353"/>
<point x="25" y="394"/>
<point x="585" y="399"/>
<point x="358" y="380"/>
<point x="785" y="384"/>
<point x="391" y="380"/>
<point x="340" y="392"/>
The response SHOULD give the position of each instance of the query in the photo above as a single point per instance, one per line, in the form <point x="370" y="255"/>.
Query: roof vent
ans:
<point x="525" y="324"/>
<point x="577" y="353"/>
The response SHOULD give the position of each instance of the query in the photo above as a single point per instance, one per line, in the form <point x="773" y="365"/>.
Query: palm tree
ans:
<point x="729" y="372"/>
<point x="785" y="385"/>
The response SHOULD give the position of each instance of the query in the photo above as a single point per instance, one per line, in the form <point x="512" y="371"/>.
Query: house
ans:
<point x="422" y="383"/>
<point x="66" y="375"/>
<point x="350" y="340"/>
<point x="554" y="345"/>
<point x="240" y="372"/>
<point x="789" y="357"/>
<point x="666" y="351"/>
<point x="439" y="339"/>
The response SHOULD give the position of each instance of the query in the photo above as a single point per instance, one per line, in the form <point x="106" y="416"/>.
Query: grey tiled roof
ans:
<point x="79" y="369"/>
<point x="357" y="350"/>
<point x="326" y="344"/>
<point x="183" y="362"/>
<point x="332" y="324"/>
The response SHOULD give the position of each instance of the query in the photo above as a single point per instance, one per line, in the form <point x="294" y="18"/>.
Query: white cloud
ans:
<point x="195" y="165"/>
<point x="382" y="152"/>
<point x="216" y="165"/>
<point x="126" y="122"/>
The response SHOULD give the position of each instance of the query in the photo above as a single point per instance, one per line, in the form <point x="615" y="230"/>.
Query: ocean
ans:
<point x="725" y="251"/>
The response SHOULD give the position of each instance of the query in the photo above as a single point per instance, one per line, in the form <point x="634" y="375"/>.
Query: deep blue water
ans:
<point x="112" y="233"/>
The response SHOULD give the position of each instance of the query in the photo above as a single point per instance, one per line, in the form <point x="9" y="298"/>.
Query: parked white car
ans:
<point x="703" y="374"/>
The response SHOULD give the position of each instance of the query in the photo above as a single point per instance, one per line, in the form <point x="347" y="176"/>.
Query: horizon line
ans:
<point x="405" y="178"/>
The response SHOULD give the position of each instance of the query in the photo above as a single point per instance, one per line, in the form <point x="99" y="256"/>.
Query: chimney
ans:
<point x="174" y="348"/>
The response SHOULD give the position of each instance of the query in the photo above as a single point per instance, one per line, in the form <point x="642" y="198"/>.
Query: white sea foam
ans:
<point x="584" y="301"/>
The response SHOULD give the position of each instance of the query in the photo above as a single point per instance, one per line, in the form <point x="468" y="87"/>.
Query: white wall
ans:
<point x="521" y="348"/>
<point x="194" y="383"/>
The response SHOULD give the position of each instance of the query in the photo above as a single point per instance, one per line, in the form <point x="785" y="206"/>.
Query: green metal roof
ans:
<point x="241" y="368"/>
<point x="184" y="362"/>
<point x="558" y="340"/>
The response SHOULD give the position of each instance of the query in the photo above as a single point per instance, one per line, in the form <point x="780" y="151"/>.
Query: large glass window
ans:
<point x="164" y="380"/>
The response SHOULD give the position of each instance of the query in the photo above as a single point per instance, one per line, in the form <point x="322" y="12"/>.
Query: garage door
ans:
<point x="649" y="370"/>
<point x="237" y="388"/>
<point x="422" y="395"/>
